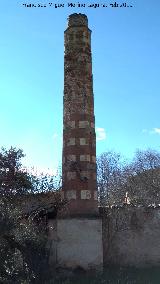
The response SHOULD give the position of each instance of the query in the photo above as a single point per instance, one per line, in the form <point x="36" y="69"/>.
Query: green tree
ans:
<point x="22" y="221"/>
<point x="13" y="180"/>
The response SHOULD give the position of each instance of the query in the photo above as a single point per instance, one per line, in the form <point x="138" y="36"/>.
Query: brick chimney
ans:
<point x="79" y="139"/>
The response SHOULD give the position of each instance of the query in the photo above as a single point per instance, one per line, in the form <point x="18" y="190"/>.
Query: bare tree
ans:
<point x="110" y="177"/>
<point x="137" y="181"/>
<point x="143" y="181"/>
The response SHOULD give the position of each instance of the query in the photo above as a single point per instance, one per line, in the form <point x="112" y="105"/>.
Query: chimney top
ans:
<point x="75" y="20"/>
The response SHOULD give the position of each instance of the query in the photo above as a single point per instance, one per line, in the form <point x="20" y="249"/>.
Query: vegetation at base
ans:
<point x="113" y="275"/>
<point x="23" y="238"/>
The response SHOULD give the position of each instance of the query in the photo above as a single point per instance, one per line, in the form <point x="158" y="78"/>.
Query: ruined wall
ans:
<point x="131" y="236"/>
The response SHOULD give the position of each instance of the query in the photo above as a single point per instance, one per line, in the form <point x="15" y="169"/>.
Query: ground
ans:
<point x="112" y="275"/>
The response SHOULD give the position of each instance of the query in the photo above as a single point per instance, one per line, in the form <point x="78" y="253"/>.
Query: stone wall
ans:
<point x="131" y="236"/>
<point x="76" y="243"/>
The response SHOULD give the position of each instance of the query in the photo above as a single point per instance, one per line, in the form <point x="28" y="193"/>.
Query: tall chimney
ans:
<point x="79" y="182"/>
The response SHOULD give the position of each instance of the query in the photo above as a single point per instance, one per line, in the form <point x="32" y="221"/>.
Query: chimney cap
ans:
<point x="75" y="20"/>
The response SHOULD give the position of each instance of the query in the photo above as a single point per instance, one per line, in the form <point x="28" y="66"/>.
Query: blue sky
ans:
<point x="126" y="60"/>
